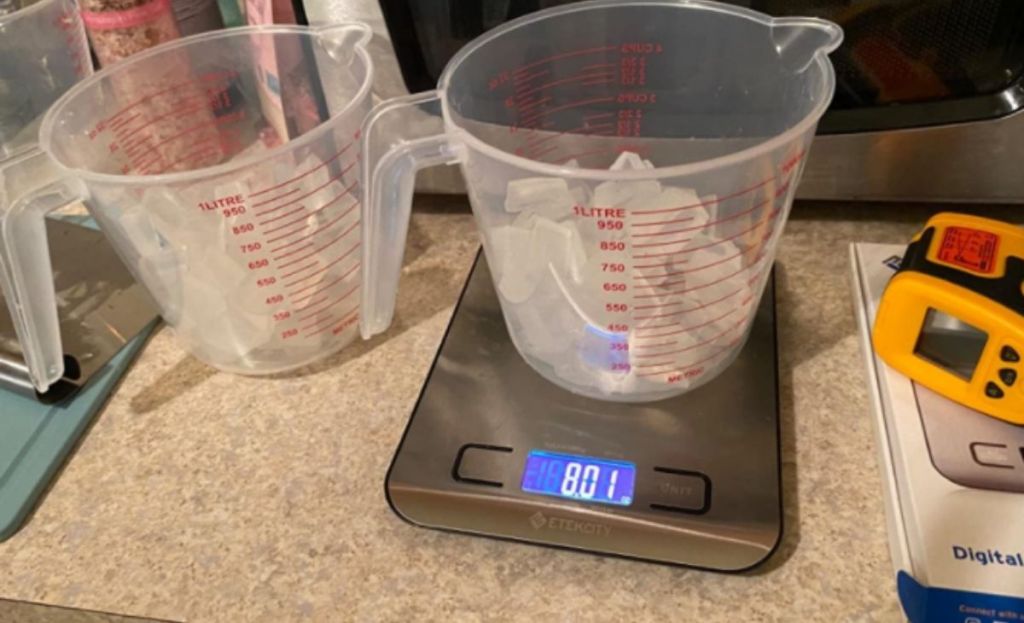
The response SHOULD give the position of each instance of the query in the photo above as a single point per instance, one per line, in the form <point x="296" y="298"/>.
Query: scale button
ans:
<point x="1008" y="376"/>
<point x="992" y="455"/>
<point x="481" y="464"/>
<point x="992" y="390"/>
<point x="681" y="491"/>
<point x="1008" y="354"/>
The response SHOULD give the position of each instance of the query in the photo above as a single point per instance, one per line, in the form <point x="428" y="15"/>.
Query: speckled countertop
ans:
<point x="201" y="496"/>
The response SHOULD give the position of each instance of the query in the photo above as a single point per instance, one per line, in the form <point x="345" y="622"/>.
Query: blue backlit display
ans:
<point x="583" y="478"/>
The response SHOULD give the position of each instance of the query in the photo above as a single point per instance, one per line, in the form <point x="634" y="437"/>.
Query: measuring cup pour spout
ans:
<point x="799" y="39"/>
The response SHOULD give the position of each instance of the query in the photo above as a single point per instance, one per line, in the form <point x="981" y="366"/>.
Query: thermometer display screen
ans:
<point x="582" y="478"/>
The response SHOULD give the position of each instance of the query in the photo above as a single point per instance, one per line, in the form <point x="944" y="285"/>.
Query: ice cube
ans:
<point x="628" y="161"/>
<point x="139" y="230"/>
<point x="580" y="195"/>
<point x="544" y="196"/>
<point x="692" y="212"/>
<point x="560" y="245"/>
<point x="632" y="195"/>
<point x="310" y="173"/>
<point x="516" y="268"/>
<point x="544" y="326"/>
<point x="160" y="271"/>
<point x="524" y="220"/>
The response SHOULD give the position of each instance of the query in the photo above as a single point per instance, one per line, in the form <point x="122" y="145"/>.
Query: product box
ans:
<point x="953" y="478"/>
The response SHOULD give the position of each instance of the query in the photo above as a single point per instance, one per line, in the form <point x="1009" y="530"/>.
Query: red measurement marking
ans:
<point x="300" y="176"/>
<point x="320" y="289"/>
<point x="597" y="81"/>
<point x="350" y="317"/>
<point x="600" y="66"/>
<point x="263" y="203"/>
<point x="592" y="152"/>
<point x="311" y="234"/>
<point x="177" y="112"/>
<point x="760" y="223"/>
<point x="353" y="206"/>
<point x="739" y="193"/>
<point x="317" y="323"/>
<point x="668" y="343"/>
<point x="583" y="130"/>
<point x="307" y="215"/>
<point x="680" y="330"/>
<point x="145" y="163"/>
<point x="546" y="150"/>
<point x="292" y="252"/>
<point x="527" y="78"/>
<point x="661" y="233"/>
<point x="757" y="248"/>
<point x="771" y="215"/>
<point x="717" y="354"/>
<point x="569" y="80"/>
<point x="134" y="151"/>
<point x="123" y="122"/>
<point x="695" y="346"/>
<point x="197" y="154"/>
<point x="307" y="302"/>
<point x="788" y="165"/>
<point x="321" y="248"/>
<point x="564" y="55"/>
<point x="681" y="311"/>
<point x="226" y="75"/>
<point x="225" y="119"/>
<point x="543" y="113"/>
<point x="313" y="313"/>
<point x="665" y="244"/>
<point x="297" y="271"/>
<point x="521" y="109"/>
<point x="694" y="288"/>
<point x="322" y="270"/>
<point x="281" y="216"/>
<point x="655" y="365"/>
<point x="602" y="115"/>
<point x="318" y="188"/>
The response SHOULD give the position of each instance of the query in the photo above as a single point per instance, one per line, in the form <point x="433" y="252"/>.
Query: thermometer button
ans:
<point x="992" y="390"/>
<point x="1008" y="354"/>
<point x="1008" y="376"/>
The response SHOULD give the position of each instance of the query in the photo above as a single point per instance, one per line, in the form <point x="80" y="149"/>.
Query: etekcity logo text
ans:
<point x="564" y="524"/>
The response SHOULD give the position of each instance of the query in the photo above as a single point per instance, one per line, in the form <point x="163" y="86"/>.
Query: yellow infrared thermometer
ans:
<point x="952" y="317"/>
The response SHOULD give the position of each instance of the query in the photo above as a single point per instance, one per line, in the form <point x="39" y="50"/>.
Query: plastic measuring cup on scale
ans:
<point x="657" y="320"/>
<point x="630" y="165"/>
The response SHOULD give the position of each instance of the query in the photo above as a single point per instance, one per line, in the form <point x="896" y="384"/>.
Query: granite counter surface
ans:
<point x="202" y="496"/>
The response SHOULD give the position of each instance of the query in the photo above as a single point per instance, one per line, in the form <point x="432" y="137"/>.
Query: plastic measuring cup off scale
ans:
<point x="630" y="166"/>
<point x="198" y="160"/>
<point x="44" y="52"/>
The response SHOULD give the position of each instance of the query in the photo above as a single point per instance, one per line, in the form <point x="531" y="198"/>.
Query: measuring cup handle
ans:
<point x="400" y="136"/>
<point x="25" y="271"/>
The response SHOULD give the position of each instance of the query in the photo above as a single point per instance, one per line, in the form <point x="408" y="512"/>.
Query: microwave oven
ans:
<point x="928" y="102"/>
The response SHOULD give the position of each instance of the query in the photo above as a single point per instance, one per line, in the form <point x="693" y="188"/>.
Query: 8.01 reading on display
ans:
<point x="582" y="478"/>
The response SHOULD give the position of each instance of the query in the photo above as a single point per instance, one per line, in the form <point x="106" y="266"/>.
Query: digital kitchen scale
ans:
<point x="494" y="449"/>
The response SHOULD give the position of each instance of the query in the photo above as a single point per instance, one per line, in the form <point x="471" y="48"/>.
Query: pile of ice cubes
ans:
<point x="550" y="271"/>
<point x="193" y="262"/>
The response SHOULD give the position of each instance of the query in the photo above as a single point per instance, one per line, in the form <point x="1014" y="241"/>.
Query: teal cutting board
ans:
<point x="35" y="439"/>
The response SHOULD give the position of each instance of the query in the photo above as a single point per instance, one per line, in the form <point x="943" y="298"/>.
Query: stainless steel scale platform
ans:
<point x="703" y="468"/>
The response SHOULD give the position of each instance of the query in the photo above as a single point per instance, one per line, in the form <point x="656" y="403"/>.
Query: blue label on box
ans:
<point x="923" y="604"/>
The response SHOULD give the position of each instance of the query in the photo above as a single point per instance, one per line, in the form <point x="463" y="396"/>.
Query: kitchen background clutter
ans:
<point x="926" y="108"/>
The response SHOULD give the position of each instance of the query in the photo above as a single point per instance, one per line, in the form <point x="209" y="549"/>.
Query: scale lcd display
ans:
<point x="582" y="478"/>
